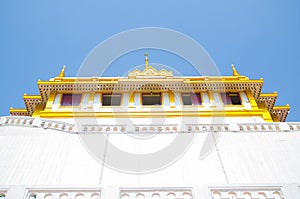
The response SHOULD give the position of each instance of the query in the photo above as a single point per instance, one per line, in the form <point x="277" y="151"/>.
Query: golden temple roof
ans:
<point x="152" y="77"/>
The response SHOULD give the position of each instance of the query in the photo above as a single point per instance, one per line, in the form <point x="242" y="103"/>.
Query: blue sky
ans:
<point x="260" y="37"/>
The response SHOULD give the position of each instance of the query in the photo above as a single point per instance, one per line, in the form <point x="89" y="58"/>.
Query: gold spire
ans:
<point x="234" y="71"/>
<point x="146" y="59"/>
<point x="62" y="72"/>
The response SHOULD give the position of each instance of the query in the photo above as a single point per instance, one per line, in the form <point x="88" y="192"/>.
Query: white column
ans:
<point x="137" y="99"/>
<point x="245" y="100"/>
<point x="125" y="99"/>
<point x="206" y="102"/>
<point x="177" y="100"/>
<point x="56" y="102"/>
<point x="96" y="103"/>
<point x="91" y="101"/>
<point x="166" y="99"/>
<point x="218" y="101"/>
<point x="217" y="98"/>
<point x="85" y="100"/>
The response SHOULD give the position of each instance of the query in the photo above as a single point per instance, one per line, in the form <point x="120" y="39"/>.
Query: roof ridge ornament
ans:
<point x="146" y="59"/>
<point x="62" y="72"/>
<point x="149" y="71"/>
<point x="234" y="71"/>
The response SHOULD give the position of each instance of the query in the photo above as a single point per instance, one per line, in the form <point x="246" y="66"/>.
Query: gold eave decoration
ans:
<point x="262" y="104"/>
<point x="150" y="72"/>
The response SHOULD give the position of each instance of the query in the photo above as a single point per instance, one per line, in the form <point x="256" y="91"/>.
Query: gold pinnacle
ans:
<point x="147" y="62"/>
<point x="234" y="71"/>
<point x="62" y="72"/>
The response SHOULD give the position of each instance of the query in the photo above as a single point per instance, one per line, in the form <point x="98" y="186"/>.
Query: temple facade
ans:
<point x="150" y="135"/>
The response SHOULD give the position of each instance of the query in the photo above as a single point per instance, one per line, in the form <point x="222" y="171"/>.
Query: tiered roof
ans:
<point x="150" y="79"/>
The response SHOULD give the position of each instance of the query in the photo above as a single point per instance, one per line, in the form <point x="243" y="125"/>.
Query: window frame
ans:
<point x="151" y="94"/>
<point x="111" y="94"/>
<point x="200" y="102"/>
<point x="228" y="99"/>
<point x="71" y="105"/>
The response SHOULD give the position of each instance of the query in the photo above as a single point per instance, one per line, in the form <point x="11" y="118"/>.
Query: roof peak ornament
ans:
<point x="234" y="71"/>
<point x="149" y="71"/>
<point x="146" y="59"/>
<point x="62" y="72"/>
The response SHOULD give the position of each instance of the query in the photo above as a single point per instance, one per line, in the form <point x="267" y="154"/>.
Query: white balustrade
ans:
<point x="163" y="193"/>
<point x="44" y="193"/>
<point x="189" y="128"/>
<point x="247" y="193"/>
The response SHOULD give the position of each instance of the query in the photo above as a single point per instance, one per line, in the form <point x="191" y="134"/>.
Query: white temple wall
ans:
<point x="34" y="156"/>
<point x="163" y="120"/>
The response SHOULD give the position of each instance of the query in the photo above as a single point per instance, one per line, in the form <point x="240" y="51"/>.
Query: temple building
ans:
<point x="150" y="135"/>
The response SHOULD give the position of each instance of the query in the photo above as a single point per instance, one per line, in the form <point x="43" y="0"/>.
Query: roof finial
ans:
<point x="62" y="72"/>
<point x="234" y="71"/>
<point x="146" y="59"/>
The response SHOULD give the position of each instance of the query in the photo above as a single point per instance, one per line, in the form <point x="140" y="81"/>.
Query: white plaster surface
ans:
<point x="36" y="156"/>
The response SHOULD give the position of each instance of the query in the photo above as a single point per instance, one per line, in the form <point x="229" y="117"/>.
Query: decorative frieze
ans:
<point x="247" y="193"/>
<point x="156" y="193"/>
<point x="167" y="128"/>
<point x="60" y="193"/>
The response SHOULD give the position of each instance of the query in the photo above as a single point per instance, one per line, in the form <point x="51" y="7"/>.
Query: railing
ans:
<point x="37" y="123"/>
<point x="167" y="128"/>
<point x="158" y="193"/>
<point x="247" y="193"/>
<point x="63" y="193"/>
<point x="224" y="192"/>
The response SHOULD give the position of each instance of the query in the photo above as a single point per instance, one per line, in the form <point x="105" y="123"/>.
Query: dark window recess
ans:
<point x="111" y="100"/>
<point x="70" y="100"/>
<point x="31" y="197"/>
<point x="231" y="98"/>
<point x="191" y="99"/>
<point x="186" y="99"/>
<point x="151" y="99"/>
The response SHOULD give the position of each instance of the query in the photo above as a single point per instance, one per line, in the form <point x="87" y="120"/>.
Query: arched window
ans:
<point x="247" y="195"/>
<point x="48" y="196"/>
<point x="32" y="196"/>
<point x="216" y="195"/>
<point x="63" y="196"/>
<point x="261" y="196"/>
<point x="232" y="195"/>
<point x="171" y="195"/>
<point x="155" y="196"/>
<point x="125" y="196"/>
<point x="95" y="196"/>
<point x="140" y="196"/>
<point x="277" y="195"/>
<point x="79" y="196"/>
<point x="186" y="195"/>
